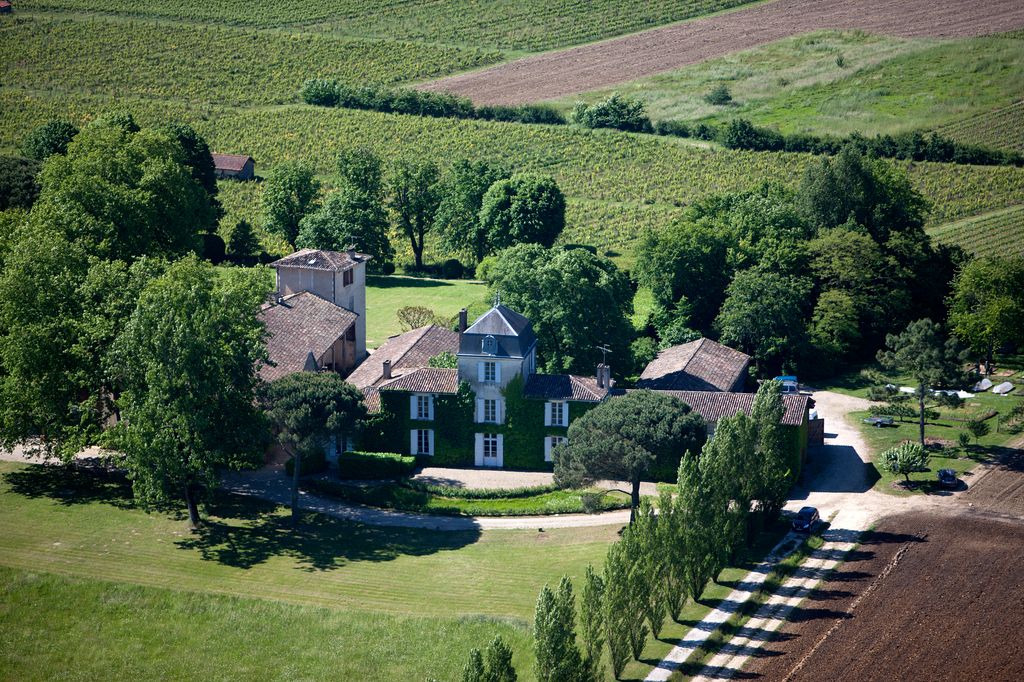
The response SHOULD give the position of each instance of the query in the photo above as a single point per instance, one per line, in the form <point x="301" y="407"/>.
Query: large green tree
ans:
<point x="309" y="410"/>
<point x="986" y="309"/>
<point x="763" y="315"/>
<point x="923" y="352"/>
<point x="457" y="220"/>
<point x="18" y="185"/>
<point x="625" y="438"/>
<point x="52" y="137"/>
<point x="554" y="631"/>
<point x="289" y="194"/>
<point x="575" y="299"/>
<point x="415" y="197"/>
<point x="775" y="465"/>
<point x="187" y="360"/>
<point x="523" y="209"/>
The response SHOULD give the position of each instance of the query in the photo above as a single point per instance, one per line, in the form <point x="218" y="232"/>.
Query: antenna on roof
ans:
<point x="605" y="350"/>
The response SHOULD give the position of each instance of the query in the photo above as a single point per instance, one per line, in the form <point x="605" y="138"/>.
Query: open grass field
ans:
<point x="999" y="128"/>
<point x="91" y="587"/>
<point x="508" y="24"/>
<point x="590" y="67"/>
<point x="385" y="295"/>
<point x="999" y="233"/>
<point x="206" y="63"/>
<point x="837" y="82"/>
<point x="924" y="596"/>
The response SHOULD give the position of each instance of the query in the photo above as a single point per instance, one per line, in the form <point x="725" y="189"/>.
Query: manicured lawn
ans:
<point x="385" y="295"/>
<point x="92" y="587"/>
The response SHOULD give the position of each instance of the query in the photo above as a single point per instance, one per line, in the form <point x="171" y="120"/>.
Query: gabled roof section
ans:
<point x="564" y="387"/>
<point x="513" y="334"/>
<point x="701" y="365"/>
<point x="230" y="162"/>
<point x="713" y="405"/>
<point x="319" y="259"/>
<point x="299" y="325"/>
<point x="425" y="380"/>
<point x="407" y="352"/>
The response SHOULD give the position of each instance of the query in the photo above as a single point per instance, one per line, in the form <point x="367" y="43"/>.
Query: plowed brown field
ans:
<point x="588" y="67"/>
<point x="926" y="597"/>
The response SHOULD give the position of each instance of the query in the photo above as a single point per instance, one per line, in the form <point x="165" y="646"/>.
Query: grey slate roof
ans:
<point x="301" y="324"/>
<point x="564" y="387"/>
<point x="701" y="365"/>
<point x="230" y="162"/>
<point x="713" y="405"/>
<point x="425" y="380"/>
<point x="318" y="259"/>
<point x="512" y="333"/>
<point x="407" y="352"/>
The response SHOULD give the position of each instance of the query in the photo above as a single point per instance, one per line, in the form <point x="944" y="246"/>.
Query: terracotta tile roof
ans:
<point x="701" y="365"/>
<point x="301" y="323"/>
<point x="407" y="352"/>
<point x="318" y="259"/>
<point x="371" y="397"/>
<point x="713" y="405"/>
<point x="230" y="162"/>
<point x="564" y="387"/>
<point x="425" y="380"/>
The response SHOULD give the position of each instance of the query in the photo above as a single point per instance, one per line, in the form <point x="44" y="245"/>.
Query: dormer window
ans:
<point x="490" y="345"/>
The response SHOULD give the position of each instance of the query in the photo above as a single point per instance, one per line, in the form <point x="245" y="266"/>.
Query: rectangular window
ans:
<point x="558" y="413"/>
<point x="490" y="446"/>
<point x="490" y="411"/>
<point x="423" y="441"/>
<point x="423" y="407"/>
<point x="550" y="443"/>
<point x="347" y="277"/>
<point x="490" y="372"/>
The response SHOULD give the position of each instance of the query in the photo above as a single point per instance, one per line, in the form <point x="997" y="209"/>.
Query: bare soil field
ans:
<point x="999" y="487"/>
<point x="588" y="67"/>
<point x="927" y="596"/>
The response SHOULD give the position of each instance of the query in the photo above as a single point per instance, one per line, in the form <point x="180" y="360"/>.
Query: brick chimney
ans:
<point x="599" y="375"/>
<point x="604" y="376"/>
<point x="385" y="368"/>
<point x="463" y="320"/>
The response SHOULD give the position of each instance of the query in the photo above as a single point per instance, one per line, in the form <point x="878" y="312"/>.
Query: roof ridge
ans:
<point x="423" y="331"/>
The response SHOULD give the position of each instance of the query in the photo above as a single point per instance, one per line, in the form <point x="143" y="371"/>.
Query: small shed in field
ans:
<point x="234" y="166"/>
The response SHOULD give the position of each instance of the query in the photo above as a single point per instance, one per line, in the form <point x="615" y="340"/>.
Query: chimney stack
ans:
<point x="604" y="376"/>
<point x="351" y="251"/>
<point x="463" y="320"/>
<point x="386" y="369"/>
<point x="600" y="375"/>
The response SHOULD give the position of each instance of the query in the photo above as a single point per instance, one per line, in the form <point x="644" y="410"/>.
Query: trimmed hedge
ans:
<point x="331" y="93"/>
<point x="480" y="493"/>
<point x="370" y="466"/>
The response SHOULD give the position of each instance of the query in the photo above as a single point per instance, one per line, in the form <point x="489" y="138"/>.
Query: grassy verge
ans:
<point x="385" y="295"/>
<point x="415" y="499"/>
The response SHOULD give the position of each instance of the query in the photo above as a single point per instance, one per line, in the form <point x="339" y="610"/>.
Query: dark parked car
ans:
<point x="947" y="478"/>
<point x="805" y="520"/>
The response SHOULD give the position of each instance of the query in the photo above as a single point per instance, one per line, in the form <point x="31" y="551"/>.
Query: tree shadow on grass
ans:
<point x="392" y="282"/>
<point x="72" y="484"/>
<point x="244" y="532"/>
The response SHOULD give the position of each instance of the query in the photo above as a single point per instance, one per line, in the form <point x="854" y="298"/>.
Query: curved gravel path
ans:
<point x="551" y="75"/>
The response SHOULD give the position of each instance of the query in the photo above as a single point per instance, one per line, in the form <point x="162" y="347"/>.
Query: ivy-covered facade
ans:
<point x="493" y="410"/>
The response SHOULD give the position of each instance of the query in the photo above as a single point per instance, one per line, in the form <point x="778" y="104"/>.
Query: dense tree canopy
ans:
<point x="18" y="185"/>
<point x="187" y="360"/>
<point x="414" y="200"/>
<point x="457" y="220"/>
<point x="289" y="194"/>
<point x="986" y="309"/>
<point x="627" y="439"/>
<point x="524" y="209"/>
<point x="575" y="299"/>
<point x="48" y="139"/>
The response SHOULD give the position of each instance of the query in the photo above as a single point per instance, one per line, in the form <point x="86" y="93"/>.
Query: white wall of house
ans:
<point x="331" y="286"/>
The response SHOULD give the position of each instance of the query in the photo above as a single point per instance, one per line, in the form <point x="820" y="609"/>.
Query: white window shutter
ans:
<point x="501" y="450"/>
<point x="500" y="411"/>
<point x="547" y="414"/>
<point x="565" y="414"/>
<point x="412" y="442"/>
<point x="430" y="412"/>
<point x="547" y="448"/>
<point x="479" y="410"/>
<point x="412" y="407"/>
<point x="480" y="372"/>
<point x="430" y="441"/>
<point x="497" y="372"/>
<point x="478" y="450"/>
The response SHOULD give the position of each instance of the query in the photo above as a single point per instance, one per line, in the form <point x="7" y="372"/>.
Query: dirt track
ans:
<point x="589" y="67"/>
<point x="948" y="609"/>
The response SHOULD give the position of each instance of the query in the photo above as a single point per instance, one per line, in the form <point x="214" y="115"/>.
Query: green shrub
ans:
<point x="370" y="466"/>
<point x="904" y="459"/>
<point x="615" y="112"/>
<point x="452" y="269"/>
<point x="719" y="95"/>
<point x="312" y="463"/>
<point x="480" y="493"/>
